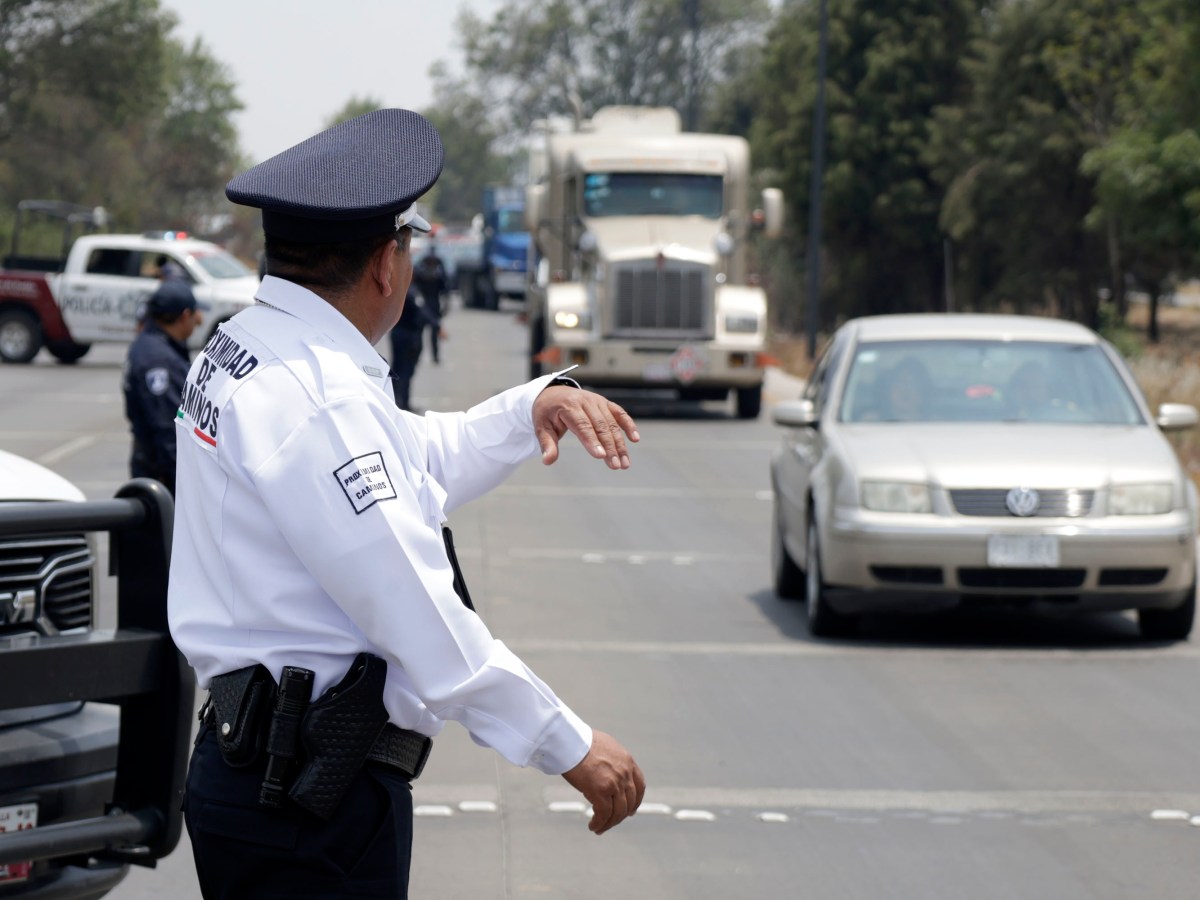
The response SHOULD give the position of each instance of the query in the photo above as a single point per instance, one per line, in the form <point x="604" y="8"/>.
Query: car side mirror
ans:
<point x="795" y="414"/>
<point x="1177" y="417"/>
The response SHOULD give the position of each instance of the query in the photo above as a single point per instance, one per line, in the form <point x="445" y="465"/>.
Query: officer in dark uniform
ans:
<point x="155" y="370"/>
<point x="406" y="338"/>
<point x="429" y="277"/>
<point x="314" y="586"/>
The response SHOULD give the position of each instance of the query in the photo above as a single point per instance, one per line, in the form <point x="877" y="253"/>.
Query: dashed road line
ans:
<point x="1123" y="653"/>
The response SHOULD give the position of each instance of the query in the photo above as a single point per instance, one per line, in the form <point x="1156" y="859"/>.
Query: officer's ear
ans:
<point x="381" y="268"/>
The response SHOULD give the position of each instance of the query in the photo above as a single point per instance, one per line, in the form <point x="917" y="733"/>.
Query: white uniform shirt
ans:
<point x="308" y="527"/>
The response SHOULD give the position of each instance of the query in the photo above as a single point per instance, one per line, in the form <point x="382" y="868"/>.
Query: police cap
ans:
<point x="353" y="181"/>
<point x="172" y="297"/>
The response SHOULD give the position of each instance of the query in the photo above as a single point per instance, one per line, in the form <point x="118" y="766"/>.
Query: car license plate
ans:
<point x="21" y="817"/>
<point x="1017" y="551"/>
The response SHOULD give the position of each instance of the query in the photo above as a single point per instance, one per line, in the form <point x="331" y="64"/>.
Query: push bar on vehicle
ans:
<point x="136" y="667"/>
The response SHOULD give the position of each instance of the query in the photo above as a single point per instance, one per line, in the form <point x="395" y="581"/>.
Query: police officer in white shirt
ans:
<point x="313" y="586"/>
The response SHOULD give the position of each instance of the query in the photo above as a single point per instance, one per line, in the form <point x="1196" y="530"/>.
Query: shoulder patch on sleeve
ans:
<point x="157" y="380"/>
<point x="365" y="481"/>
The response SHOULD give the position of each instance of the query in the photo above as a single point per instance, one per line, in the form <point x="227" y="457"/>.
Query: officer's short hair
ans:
<point x="334" y="266"/>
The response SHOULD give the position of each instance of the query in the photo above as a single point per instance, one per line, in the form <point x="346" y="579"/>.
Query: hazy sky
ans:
<point x="297" y="62"/>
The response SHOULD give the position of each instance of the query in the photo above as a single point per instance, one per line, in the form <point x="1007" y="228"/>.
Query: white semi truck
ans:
<point x="640" y="271"/>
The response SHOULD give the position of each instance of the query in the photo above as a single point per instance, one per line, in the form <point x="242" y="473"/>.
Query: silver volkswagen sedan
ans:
<point x="935" y="461"/>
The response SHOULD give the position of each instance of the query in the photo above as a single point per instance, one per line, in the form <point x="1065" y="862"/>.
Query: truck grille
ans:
<point x="1054" y="504"/>
<point x="54" y="573"/>
<point x="667" y="301"/>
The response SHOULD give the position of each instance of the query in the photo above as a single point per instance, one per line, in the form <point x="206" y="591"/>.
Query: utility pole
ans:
<point x="691" y="13"/>
<point x="813" y="311"/>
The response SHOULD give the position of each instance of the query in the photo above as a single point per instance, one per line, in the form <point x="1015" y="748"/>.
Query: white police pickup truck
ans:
<point x="94" y="293"/>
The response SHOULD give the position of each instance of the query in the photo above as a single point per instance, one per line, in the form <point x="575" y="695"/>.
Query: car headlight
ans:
<point x="741" y="323"/>
<point x="896" y="496"/>
<point x="569" y="318"/>
<point x="1139" y="499"/>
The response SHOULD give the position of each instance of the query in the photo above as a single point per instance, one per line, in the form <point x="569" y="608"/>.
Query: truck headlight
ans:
<point x="1139" y="499"/>
<point x="569" y="318"/>
<point x="896" y="497"/>
<point x="723" y="243"/>
<point x="741" y="323"/>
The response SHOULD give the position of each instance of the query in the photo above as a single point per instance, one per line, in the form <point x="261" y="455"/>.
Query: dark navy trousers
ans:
<point x="244" y="851"/>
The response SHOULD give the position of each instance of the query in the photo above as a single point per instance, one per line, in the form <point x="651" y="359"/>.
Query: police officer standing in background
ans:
<point x="155" y="369"/>
<point x="314" y="586"/>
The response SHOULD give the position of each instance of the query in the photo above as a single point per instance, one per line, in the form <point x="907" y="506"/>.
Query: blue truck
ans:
<point x="499" y="269"/>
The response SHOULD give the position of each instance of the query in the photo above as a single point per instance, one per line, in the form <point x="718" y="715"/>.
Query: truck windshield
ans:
<point x="652" y="194"/>
<point x="220" y="264"/>
<point x="510" y="220"/>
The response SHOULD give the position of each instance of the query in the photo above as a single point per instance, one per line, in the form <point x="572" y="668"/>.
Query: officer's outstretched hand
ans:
<point x="600" y="424"/>
<point x="609" y="779"/>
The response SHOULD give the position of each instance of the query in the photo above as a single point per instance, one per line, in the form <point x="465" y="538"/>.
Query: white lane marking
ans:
<point x="70" y="448"/>
<point x="654" y="809"/>
<point x="681" y="560"/>
<point x="567" y="806"/>
<point x="1194" y="820"/>
<point x="1170" y="815"/>
<point x="695" y="815"/>
<point x="635" y="493"/>
<point x="433" y="810"/>
<point x="630" y="556"/>
<point x="772" y="817"/>
<point x="468" y="806"/>
<point x="1128" y="654"/>
<point x="820" y="802"/>
<point x="89" y="399"/>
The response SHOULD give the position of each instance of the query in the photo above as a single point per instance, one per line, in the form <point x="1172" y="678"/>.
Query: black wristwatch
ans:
<point x="564" y="381"/>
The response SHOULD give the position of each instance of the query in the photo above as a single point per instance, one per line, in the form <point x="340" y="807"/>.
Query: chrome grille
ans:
<point x="1069" y="503"/>
<point x="57" y="569"/>
<point x="654" y="301"/>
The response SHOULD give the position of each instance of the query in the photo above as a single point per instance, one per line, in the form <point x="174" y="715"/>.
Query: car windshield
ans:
<point x="220" y="264"/>
<point x="985" y="381"/>
<point x="652" y="194"/>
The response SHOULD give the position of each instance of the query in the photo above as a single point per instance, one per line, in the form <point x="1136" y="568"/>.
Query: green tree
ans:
<point x="100" y="106"/>
<point x="1148" y="172"/>
<point x="539" y="58"/>
<point x="891" y="64"/>
<point x="1008" y="160"/>
<point x="472" y="156"/>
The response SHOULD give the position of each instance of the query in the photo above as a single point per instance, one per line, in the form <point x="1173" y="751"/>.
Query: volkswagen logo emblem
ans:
<point x="1022" y="501"/>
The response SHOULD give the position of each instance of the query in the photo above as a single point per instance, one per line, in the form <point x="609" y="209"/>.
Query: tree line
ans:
<point x="981" y="154"/>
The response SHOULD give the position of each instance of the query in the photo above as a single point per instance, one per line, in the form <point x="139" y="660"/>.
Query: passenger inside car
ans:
<point x="1029" y="395"/>
<point x="907" y="389"/>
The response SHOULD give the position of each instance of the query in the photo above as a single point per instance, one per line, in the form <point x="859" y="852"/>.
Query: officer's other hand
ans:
<point x="610" y="780"/>
<point x="601" y="425"/>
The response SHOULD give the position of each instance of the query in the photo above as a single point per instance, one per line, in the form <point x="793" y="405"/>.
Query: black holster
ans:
<point x="337" y="733"/>
<point x="240" y="710"/>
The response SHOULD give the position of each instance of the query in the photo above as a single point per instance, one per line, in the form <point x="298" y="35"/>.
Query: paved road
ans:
<point x="980" y="757"/>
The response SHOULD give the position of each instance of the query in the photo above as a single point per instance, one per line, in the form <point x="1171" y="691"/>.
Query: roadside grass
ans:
<point x="1167" y="372"/>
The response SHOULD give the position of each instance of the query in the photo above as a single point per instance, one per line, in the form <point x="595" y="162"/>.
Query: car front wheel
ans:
<point x="823" y="620"/>
<point x="1168" y="624"/>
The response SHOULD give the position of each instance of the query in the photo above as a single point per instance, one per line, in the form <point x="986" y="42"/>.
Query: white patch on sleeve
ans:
<point x="157" y="380"/>
<point x="365" y="481"/>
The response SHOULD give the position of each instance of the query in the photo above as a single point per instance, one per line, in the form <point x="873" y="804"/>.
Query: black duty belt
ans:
<point x="403" y="750"/>
<point x="313" y="748"/>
